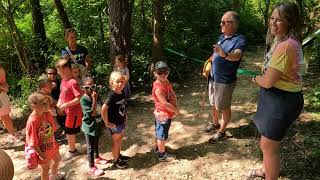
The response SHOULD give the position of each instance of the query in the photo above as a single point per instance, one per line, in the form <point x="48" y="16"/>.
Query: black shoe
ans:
<point x="120" y="164"/>
<point x="212" y="128"/>
<point x="218" y="137"/>
<point x="124" y="158"/>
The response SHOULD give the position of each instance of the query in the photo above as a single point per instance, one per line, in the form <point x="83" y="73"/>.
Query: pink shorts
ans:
<point x="5" y="108"/>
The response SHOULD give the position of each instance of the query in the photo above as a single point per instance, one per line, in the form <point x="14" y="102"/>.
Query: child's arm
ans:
<point x="73" y="102"/>
<point x="104" y="115"/>
<point x="41" y="154"/>
<point x="164" y="103"/>
<point x="94" y="97"/>
<point x="127" y="74"/>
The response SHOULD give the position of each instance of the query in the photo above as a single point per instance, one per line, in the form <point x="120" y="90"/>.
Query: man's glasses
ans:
<point x="224" y="22"/>
<point x="88" y="88"/>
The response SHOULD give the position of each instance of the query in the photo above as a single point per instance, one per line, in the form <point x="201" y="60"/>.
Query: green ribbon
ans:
<point x="239" y="71"/>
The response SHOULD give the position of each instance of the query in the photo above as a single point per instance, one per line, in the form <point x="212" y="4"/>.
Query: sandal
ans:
<point x="256" y="173"/>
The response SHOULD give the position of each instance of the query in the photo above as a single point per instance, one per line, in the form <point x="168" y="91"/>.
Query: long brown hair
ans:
<point x="289" y="11"/>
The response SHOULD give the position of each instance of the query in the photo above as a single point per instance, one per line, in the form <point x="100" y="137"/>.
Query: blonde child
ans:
<point x="5" y="108"/>
<point x="121" y="65"/>
<point x="40" y="136"/>
<point x="92" y="123"/>
<point x="69" y="101"/>
<point x="114" y="114"/>
<point x="165" y="107"/>
<point x="76" y="72"/>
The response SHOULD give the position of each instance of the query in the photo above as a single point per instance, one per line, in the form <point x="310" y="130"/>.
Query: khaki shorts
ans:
<point x="220" y="95"/>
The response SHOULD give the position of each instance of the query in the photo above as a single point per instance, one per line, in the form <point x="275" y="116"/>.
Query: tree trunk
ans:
<point x="63" y="15"/>
<point x="143" y="16"/>
<point x="16" y="38"/>
<point x="120" y="28"/>
<point x="158" y="30"/>
<point x="301" y="10"/>
<point x="41" y="47"/>
<point x="266" y="15"/>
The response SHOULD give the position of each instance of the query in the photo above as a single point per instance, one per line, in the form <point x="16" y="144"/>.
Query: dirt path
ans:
<point x="195" y="157"/>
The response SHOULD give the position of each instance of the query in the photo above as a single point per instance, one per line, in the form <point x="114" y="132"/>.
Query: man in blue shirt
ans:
<point x="223" y="75"/>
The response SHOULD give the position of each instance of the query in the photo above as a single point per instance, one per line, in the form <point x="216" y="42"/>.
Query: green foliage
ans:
<point x="314" y="99"/>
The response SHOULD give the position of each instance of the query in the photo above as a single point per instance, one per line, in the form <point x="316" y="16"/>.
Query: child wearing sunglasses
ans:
<point x="92" y="124"/>
<point x="40" y="138"/>
<point x="114" y="115"/>
<point x="165" y="108"/>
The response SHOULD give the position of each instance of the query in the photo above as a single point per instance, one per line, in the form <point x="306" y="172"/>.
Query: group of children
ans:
<point x="84" y="110"/>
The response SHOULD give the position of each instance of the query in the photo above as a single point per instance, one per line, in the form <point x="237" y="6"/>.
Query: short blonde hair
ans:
<point x="115" y="75"/>
<point x="62" y="63"/>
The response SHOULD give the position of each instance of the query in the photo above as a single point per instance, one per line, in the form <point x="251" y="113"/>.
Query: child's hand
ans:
<point x="42" y="156"/>
<point x="94" y="95"/>
<point x="111" y="125"/>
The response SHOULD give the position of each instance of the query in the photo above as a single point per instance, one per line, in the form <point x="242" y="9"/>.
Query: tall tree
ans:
<point x="63" y="15"/>
<point x="120" y="26"/>
<point x="7" y="10"/>
<point x="41" y="47"/>
<point x="158" y="30"/>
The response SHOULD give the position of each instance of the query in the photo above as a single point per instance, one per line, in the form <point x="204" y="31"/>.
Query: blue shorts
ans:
<point x="162" y="129"/>
<point x="118" y="129"/>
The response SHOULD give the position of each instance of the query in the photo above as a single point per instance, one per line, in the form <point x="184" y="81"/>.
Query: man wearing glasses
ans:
<point x="223" y="75"/>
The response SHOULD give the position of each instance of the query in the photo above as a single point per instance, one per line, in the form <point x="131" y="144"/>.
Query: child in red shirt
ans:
<point x="69" y="101"/>
<point x="165" y="107"/>
<point x="40" y="136"/>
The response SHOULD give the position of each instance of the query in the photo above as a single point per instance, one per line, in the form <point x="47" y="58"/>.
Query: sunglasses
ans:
<point x="162" y="72"/>
<point x="88" y="88"/>
<point x="224" y="22"/>
<point x="52" y="73"/>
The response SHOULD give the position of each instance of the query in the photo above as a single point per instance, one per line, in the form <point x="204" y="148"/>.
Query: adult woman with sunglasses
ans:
<point x="280" y="98"/>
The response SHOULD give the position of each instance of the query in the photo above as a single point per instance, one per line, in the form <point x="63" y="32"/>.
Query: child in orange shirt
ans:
<point x="40" y="136"/>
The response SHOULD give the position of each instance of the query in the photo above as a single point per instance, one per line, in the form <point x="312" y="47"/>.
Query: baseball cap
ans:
<point x="161" y="65"/>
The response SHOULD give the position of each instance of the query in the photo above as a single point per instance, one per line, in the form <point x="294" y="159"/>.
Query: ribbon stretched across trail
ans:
<point x="239" y="72"/>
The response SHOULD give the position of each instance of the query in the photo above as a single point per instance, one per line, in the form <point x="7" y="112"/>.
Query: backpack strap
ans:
<point x="70" y="55"/>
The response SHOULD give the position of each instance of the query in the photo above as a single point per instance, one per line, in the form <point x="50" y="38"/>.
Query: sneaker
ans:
<point x="217" y="137"/>
<point x="71" y="155"/>
<point x="100" y="160"/>
<point x="120" y="164"/>
<point x="166" y="157"/>
<point x="96" y="172"/>
<point x="212" y="128"/>
<point x="124" y="158"/>
<point x="58" y="176"/>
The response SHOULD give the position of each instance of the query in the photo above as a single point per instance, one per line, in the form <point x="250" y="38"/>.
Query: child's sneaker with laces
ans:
<point x="124" y="158"/>
<point x="120" y="164"/>
<point x="166" y="157"/>
<point x="100" y="160"/>
<point x="96" y="171"/>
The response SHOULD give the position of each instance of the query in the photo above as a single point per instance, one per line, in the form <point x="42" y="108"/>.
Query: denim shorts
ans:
<point x="117" y="129"/>
<point x="162" y="129"/>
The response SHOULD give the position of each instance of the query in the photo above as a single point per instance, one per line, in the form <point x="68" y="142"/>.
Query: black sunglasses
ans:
<point x="163" y="72"/>
<point x="92" y="87"/>
<point x="224" y="22"/>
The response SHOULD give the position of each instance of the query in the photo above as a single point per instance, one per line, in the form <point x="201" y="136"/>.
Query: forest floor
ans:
<point x="195" y="157"/>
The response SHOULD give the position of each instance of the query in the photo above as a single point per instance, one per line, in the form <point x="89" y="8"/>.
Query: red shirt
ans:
<point x="167" y="90"/>
<point x="40" y="133"/>
<point x="70" y="89"/>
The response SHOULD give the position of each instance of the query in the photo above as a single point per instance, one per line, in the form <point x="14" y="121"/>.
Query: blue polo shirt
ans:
<point x="222" y="70"/>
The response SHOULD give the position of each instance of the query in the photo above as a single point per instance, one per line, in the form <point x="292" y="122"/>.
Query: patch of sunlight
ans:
<point x="258" y="64"/>
<point x="181" y="95"/>
<point x="315" y="116"/>
<point x="204" y="115"/>
<point x="182" y="111"/>
<point x="141" y="125"/>
<point x="196" y="93"/>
